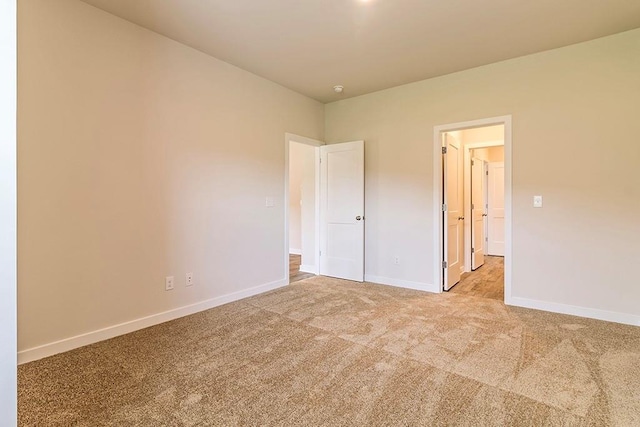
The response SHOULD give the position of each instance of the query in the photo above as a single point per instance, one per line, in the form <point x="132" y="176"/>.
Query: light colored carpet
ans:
<point x="327" y="352"/>
<point x="487" y="281"/>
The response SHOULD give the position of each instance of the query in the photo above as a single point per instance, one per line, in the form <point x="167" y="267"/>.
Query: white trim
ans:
<point x="437" y="196"/>
<point x="8" y="284"/>
<point x="419" y="286"/>
<point x="317" y="213"/>
<point x="295" y="251"/>
<point x="309" y="269"/>
<point x="67" y="344"/>
<point x="466" y="148"/>
<point x="593" y="313"/>
<point x="302" y="139"/>
<point x="288" y="138"/>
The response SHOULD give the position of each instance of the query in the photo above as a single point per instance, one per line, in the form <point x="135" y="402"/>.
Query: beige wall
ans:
<point x="140" y="158"/>
<point x="481" y="153"/>
<point x="296" y="157"/>
<point x="483" y="134"/>
<point x="580" y="103"/>
<point x="301" y="197"/>
<point x="308" y="210"/>
<point x="8" y="328"/>
<point x="495" y="154"/>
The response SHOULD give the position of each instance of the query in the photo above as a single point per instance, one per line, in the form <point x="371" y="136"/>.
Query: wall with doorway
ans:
<point x="302" y="197"/>
<point x="141" y="158"/>
<point x="8" y="327"/>
<point x="578" y="102"/>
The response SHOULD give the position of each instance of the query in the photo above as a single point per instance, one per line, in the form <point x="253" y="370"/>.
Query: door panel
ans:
<point x="453" y="216"/>
<point x="477" y="213"/>
<point x="495" y="227"/>
<point x="342" y="210"/>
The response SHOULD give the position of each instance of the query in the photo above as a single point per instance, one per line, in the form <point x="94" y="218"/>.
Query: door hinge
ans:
<point x="444" y="208"/>
<point x="444" y="264"/>
<point x="487" y="172"/>
<point x="472" y="206"/>
<point x="472" y="163"/>
<point x="473" y="251"/>
<point x="444" y="150"/>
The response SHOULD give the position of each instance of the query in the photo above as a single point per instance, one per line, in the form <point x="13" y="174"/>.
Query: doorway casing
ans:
<point x="8" y="212"/>
<point x="438" y="231"/>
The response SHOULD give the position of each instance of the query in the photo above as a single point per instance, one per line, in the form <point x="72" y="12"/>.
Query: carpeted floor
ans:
<point x="487" y="281"/>
<point x="326" y="352"/>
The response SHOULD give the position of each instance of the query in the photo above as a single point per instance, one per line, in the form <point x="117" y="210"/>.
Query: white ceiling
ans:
<point x="312" y="45"/>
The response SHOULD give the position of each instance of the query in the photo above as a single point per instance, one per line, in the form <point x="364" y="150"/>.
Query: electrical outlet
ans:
<point x="189" y="279"/>
<point x="269" y="202"/>
<point x="396" y="260"/>
<point x="168" y="283"/>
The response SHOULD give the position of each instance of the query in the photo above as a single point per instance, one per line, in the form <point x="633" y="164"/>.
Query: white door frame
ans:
<point x="290" y="137"/>
<point x="467" y="196"/>
<point x="437" y="196"/>
<point x="8" y="191"/>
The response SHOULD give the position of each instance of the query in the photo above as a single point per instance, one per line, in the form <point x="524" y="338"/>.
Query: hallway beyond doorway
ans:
<point x="294" y="269"/>
<point x="487" y="281"/>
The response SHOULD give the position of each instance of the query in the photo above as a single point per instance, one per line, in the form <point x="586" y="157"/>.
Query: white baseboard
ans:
<point x="67" y="344"/>
<point x="295" y="251"/>
<point x="593" y="313"/>
<point x="401" y="283"/>
<point x="308" y="269"/>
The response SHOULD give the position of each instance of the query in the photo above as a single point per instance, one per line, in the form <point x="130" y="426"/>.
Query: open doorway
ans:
<point x="324" y="209"/>
<point x="483" y="177"/>
<point x="474" y="201"/>
<point x="302" y="207"/>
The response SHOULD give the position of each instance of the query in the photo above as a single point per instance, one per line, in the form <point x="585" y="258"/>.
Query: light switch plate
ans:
<point x="537" y="201"/>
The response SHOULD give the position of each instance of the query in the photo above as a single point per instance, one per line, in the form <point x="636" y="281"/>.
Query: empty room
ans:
<point x="319" y="213"/>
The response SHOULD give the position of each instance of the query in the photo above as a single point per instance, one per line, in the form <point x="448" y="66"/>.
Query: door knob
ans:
<point x="460" y="218"/>
<point x="358" y="218"/>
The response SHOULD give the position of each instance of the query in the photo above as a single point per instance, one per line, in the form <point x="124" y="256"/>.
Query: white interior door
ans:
<point x="477" y="213"/>
<point x="495" y="210"/>
<point x="485" y="202"/>
<point x="453" y="212"/>
<point x="342" y="210"/>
